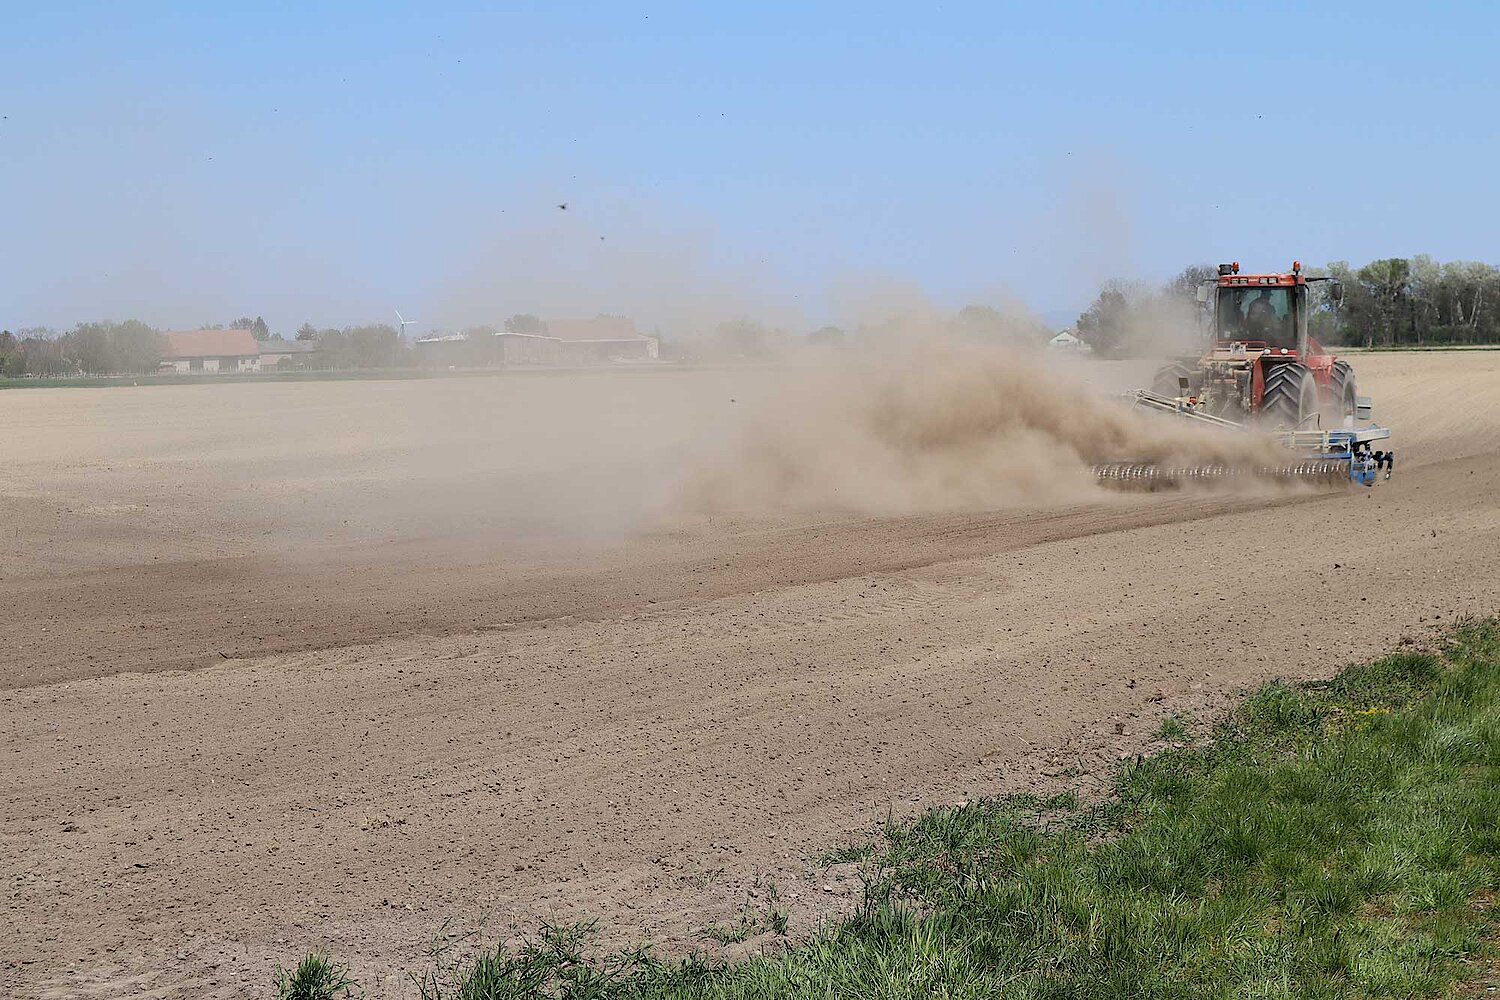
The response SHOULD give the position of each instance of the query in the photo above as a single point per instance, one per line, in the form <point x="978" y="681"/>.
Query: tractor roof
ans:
<point x="1235" y="280"/>
<point x="1230" y="276"/>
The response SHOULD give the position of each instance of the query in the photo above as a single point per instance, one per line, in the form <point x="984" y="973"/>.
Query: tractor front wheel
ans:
<point x="1290" y="397"/>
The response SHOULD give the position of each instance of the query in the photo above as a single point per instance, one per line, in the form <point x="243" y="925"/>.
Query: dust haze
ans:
<point x="934" y="424"/>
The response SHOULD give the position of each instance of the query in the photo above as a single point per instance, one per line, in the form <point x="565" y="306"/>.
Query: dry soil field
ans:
<point x="323" y="664"/>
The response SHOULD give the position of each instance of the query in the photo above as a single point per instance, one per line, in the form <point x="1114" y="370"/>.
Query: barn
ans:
<point x="603" y="338"/>
<point x="559" y="342"/>
<point x="529" y="349"/>
<point x="286" y="355"/>
<point x="210" y="351"/>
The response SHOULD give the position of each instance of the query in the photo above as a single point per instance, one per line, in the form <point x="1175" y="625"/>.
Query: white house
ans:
<point x="1066" y="341"/>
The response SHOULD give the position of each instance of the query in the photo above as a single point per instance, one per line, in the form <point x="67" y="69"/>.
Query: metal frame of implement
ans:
<point x="1323" y="455"/>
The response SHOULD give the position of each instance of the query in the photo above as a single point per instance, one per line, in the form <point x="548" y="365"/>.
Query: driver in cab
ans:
<point x="1260" y="318"/>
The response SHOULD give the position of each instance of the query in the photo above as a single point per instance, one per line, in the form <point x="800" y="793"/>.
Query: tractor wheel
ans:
<point x="1342" y="402"/>
<point x="1165" y="382"/>
<point x="1291" y="396"/>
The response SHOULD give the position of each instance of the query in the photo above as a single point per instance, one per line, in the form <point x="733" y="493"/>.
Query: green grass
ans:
<point x="847" y="854"/>
<point x="772" y="918"/>
<point x="1339" y="839"/>
<point x="316" y="977"/>
<point x="1173" y="728"/>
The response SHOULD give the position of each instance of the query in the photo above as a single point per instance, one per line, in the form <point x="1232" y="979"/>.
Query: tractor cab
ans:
<point x="1260" y="312"/>
<point x="1263" y="368"/>
<point x="1260" y="359"/>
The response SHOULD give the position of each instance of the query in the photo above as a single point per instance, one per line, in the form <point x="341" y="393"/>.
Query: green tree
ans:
<point x="12" y="360"/>
<point x="363" y="347"/>
<point x="743" y="338"/>
<point x="137" y="347"/>
<point x="525" y="323"/>
<point x="260" y="330"/>
<point x="1388" y="284"/>
<point x="307" y="332"/>
<point x="90" y="348"/>
<point x="333" y="350"/>
<point x="1105" y="324"/>
<point x="1185" y="284"/>
<point x="980" y="323"/>
<point x="482" y="349"/>
<point x="43" y="356"/>
<point x="109" y="347"/>
<point x="1467" y="293"/>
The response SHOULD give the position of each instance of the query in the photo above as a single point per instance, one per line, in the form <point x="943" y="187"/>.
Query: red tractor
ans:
<point x="1262" y="364"/>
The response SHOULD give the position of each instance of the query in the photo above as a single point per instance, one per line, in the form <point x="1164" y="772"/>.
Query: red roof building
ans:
<point x="211" y="351"/>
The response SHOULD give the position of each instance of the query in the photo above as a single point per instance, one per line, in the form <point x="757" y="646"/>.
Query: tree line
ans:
<point x="134" y="348"/>
<point x="374" y="345"/>
<point x="1418" y="300"/>
<point x="108" y="347"/>
<point x="1393" y="302"/>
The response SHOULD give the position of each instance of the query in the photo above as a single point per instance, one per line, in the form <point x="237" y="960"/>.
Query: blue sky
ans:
<point x="188" y="163"/>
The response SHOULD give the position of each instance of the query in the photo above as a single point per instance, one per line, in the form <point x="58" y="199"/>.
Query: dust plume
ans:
<point x="618" y="255"/>
<point x="944" y="425"/>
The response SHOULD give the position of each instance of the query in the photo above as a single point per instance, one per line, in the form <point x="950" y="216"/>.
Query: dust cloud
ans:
<point x="943" y="425"/>
<point x="619" y="255"/>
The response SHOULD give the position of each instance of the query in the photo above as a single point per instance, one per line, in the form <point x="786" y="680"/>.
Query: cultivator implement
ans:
<point x="1152" y="476"/>
<point x="1317" y="457"/>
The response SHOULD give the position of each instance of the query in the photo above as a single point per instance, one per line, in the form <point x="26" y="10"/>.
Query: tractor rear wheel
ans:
<point x="1290" y="397"/>
<point x="1343" y="395"/>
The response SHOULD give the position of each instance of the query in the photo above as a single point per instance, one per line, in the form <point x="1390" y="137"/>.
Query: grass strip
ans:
<point x="1332" y="839"/>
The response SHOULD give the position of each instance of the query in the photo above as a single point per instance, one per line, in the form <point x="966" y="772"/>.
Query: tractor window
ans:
<point x="1257" y="313"/>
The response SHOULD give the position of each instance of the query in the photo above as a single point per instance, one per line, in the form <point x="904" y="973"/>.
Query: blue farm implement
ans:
<point x="1330" y="457"/>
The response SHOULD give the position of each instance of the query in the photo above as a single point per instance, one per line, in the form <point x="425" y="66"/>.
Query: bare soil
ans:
<point x="325" y="664"/>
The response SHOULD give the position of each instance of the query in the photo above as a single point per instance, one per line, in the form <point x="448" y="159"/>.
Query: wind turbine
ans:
<point x="404" y="323"/>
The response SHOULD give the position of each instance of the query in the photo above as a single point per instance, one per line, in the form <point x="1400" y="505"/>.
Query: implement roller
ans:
<point x="1318" y="457"/>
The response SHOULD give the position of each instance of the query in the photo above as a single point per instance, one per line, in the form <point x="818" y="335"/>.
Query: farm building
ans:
<point x="529" y="349"/>
<point x="284" y="355"/>
<point x="564" y="342"/>
<point x="442" y="351"/>
<point x="1066" y="341"/>
<point x="603" y="338"/>
<point x="210" y="351"/>
<point x="483" y="350"/>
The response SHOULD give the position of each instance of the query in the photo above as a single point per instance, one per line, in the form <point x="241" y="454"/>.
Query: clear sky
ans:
<point x="192" y="162"/>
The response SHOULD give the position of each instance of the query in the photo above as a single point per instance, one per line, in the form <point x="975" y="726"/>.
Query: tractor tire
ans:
<point x="1165" y="382"/>
<point x="1290" y="397"/>
<point x="1341" y="404"/>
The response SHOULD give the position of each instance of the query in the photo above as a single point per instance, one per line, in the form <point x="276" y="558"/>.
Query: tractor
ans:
<point x="1262" y="366"/>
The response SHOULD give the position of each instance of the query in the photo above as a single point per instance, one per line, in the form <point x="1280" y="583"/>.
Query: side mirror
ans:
<point x="1203" y="292"/>
<point x="1336" y="291"/>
